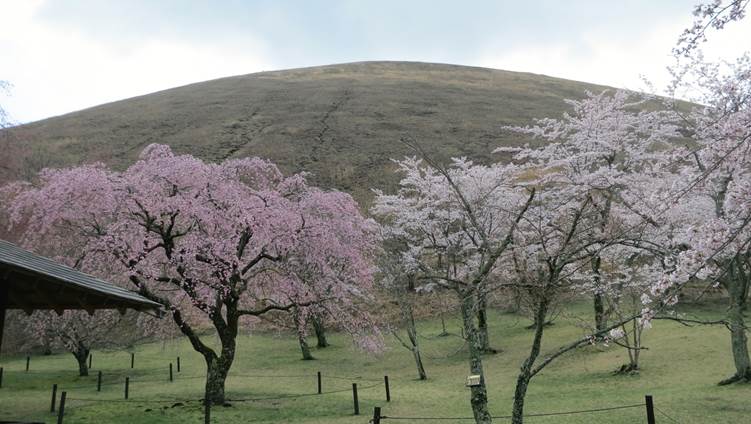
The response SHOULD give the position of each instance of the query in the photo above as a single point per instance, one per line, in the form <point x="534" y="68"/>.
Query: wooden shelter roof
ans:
<point x="31" y="281"/>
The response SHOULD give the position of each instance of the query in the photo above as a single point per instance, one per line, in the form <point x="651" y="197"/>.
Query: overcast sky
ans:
<point x="66" y="55"/>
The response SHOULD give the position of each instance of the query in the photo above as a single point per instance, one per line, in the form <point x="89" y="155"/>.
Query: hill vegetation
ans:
<point x="342" y="123"/>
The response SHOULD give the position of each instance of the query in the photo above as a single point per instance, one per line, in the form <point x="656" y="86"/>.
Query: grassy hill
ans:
<point x="680" y="369"/>
<point x="342" y="123"/>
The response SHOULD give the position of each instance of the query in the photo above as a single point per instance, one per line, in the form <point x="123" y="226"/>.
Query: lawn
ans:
<point x="680" y="370"/>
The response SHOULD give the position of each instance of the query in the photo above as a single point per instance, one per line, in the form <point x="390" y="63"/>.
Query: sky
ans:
<point x="66" y="55"/>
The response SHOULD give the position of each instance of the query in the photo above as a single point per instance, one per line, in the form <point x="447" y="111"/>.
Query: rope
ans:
<point x="133" y="379"/>
<point x="435" y="357"/>
<point x="384" y="417"/>
<point x="666" y="415"/>
<point x="359" y="378"/>
<point x="583" y="411"/>
<point x="133" y="400"/>
<point x="271" y="376"/>
<point x="228" y="399"/>
<point x="299" y="395"/>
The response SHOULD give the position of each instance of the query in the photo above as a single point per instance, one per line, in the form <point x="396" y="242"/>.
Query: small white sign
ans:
<point x="473" y="380"/>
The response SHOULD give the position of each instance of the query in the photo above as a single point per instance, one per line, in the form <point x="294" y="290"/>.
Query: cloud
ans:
<point x="67" y="55"/>
<point x="56" y="70"/>
<point x="594" y="58"/>
<point x="606" y="58"/>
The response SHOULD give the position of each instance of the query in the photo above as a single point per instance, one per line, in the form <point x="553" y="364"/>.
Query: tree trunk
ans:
<point x="217" y="368"/>
<point x="82" y="355"/>
<point x="320" y="331"/>
<point x="412" y="333"/>
<point x="637" y="330"/>
<point x="478" y="394"/>
<point x="633" y="350"/>
<point x="601" y="321"/>
<point x="304" y="348"/>
<point x="216" y="375"/>
<point x="525" y="374"/>
<point x="517" y="413"/>
<point x="421" y="374"/>
<point x="301" y="324"/>
<point x="738" y="291"/>
<point x="482" y="324"/>
<point x="443" y="325"/>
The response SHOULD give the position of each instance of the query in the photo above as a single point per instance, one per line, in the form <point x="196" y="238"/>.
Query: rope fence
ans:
<point x="648" y="405"/>
<point x="546" y="414"/>
<point x="116" y="379"/>
<point x="129" y="380"/>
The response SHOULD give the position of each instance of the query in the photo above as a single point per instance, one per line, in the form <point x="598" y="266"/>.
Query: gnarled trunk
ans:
<point x="478" y="393"/>
<point x="217" y="369"/>
<point x="320" y="330"/>
<point x="82" y="355"/>
<point x="301" y="328"/>
<point x="304" y="348"/>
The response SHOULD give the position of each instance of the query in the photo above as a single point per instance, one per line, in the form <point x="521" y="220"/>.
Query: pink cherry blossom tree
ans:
<point x="714" y="188"/>
<point x="593" y="171"/>
<point x="398" y="281"/>
<point x="605" y="150"/>
<point x="709" y="15"/>
<point x="629" y="274"/>
<point x="213" y="243"/>
<point x="76" y="332"/>
<point x="457" y="222"/>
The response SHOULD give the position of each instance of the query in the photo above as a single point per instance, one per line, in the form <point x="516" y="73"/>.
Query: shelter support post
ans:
<point x="3" y="306"/>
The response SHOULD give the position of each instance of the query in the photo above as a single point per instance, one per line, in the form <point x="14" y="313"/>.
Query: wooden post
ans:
<point x="1" y="377"/>
<point x="354" y="399"/>
<point x="170" y="371"/>
<point x="61" y="410"/>
<point x="388" y="392"/>
<point x="319" y="383"/>
<point x="3" y="307"/>
<point x="376" y="415"/>
<point x="178" y="364"/>
<point x="206" y="411"/>
<point x="127" y="384"/>
<point x="650" y="409"/>
<point x="132" y="359"/>
<point x="90" y="356"/>
<point x="54" y="398"/>
<point x="99" y="381"/>
<point x="28" y="358"/>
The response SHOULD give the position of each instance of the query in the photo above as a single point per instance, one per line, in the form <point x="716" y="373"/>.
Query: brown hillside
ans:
<point x="342" y="123"/>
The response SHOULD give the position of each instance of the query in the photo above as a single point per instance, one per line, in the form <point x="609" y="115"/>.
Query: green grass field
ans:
<point x="680" y="370"/>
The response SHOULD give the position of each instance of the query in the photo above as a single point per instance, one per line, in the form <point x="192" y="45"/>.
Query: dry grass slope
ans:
<point x="342" y="123"/>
